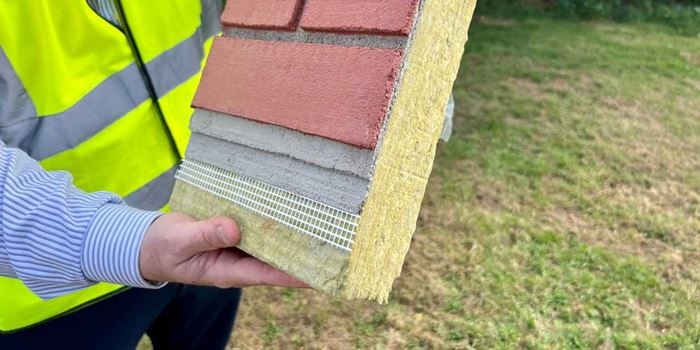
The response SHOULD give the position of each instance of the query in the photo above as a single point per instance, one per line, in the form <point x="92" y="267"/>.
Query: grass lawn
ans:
<point x="564" y="213"/>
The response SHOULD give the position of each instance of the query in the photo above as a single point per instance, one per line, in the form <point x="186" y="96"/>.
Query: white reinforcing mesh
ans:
<point x="302" y="214"/>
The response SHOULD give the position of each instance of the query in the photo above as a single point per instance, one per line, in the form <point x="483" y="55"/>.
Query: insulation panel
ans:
<point x="320" y="146"/>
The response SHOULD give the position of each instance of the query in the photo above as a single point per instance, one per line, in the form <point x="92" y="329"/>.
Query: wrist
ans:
<point x="158" y="256"/>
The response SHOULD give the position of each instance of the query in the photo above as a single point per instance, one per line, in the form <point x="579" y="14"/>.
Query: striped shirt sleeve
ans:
<point x="58" y="239"/>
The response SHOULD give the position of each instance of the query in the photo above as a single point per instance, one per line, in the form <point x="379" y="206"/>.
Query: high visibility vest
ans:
<point x="110" y="104"/>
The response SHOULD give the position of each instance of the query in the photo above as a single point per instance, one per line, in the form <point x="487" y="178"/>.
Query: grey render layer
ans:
<point x="338" y="189"/>
<point x="315" y="150"/>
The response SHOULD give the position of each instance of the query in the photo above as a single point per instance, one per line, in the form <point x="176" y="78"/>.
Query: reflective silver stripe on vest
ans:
<point x="177" y="65"/>
<point x="15" y="104"/>
<point x="155" y="194"/>
<point x="43" y="137"/>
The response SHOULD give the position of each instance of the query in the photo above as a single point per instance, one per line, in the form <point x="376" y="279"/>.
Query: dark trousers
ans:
<point x="174" y="317"/>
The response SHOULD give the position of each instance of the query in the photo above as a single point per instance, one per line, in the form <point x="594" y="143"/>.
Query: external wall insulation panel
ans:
<point x="319" y="138"/>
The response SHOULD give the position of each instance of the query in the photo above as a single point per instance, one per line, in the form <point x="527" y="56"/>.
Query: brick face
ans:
<point x="359" y="16"/>
<point x="337" y="92"/>
<point x="262" y="14"/>
<point x="330" y="90"/>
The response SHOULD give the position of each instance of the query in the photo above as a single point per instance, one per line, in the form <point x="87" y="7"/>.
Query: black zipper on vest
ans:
<point x="144" y="74"/>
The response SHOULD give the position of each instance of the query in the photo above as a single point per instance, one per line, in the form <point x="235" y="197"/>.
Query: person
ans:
<point x="94" y="110"/>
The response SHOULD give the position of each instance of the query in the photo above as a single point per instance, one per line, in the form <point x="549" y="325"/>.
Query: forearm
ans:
<point x="58" y="239"/>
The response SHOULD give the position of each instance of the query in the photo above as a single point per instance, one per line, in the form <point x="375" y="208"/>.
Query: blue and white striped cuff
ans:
<point x="112" y="245"/>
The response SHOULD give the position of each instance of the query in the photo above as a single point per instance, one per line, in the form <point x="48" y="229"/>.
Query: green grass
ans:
<point x="564" y="213"/>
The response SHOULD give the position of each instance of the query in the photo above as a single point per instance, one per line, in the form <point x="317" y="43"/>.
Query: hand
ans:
<point x="177" y="248"/>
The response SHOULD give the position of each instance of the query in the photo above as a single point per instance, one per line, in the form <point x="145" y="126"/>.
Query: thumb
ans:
<point x="212" y="234"/>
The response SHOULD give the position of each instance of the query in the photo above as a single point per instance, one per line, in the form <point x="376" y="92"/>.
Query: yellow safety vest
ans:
<point x="110" y="104"/>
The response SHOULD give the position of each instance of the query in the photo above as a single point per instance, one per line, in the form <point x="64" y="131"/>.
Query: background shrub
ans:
<point x="682" y="15"/>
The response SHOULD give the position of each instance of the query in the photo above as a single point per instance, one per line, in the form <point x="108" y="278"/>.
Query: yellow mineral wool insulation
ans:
<point x="318" y="264"/>
<point x="407" y="151"/>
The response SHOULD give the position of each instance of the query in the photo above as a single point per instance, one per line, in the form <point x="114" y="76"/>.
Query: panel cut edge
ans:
<point x="401" y="174"/>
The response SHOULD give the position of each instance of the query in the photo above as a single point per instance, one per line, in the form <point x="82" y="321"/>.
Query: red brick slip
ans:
<point x="337" y="92"/>
<point x="359" y="16"/>
<point x="262" y="14"/>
